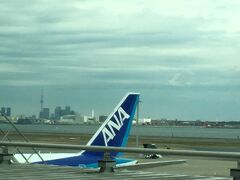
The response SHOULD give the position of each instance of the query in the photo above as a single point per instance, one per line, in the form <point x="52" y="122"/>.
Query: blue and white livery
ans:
<point x="113" y="132"/>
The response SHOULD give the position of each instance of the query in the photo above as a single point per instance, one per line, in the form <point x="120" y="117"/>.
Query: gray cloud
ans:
<point x="180" y="55"/>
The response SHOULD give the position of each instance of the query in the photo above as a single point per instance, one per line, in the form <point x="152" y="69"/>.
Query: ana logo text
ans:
<point x="114" y="123"/>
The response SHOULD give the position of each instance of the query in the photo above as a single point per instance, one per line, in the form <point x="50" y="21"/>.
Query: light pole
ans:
<point x="137" y="121"/>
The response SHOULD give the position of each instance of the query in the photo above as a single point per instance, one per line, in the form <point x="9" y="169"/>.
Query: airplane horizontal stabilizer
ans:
<point x="150" y="164"/>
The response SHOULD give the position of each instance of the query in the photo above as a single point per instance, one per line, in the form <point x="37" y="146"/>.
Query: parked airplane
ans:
<point x="113" y="132"/>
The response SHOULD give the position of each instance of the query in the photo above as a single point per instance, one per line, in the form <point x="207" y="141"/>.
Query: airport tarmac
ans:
<point x="195" y="166"/>
<point x="46" y="172"/>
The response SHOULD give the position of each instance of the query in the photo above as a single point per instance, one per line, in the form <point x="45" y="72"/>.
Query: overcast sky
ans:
<point x="181" y="55"/>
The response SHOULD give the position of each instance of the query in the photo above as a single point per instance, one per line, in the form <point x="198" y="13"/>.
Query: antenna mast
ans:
<point x="42" y="101"/>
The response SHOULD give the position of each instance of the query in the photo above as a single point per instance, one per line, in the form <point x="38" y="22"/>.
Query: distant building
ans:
<point x="90" y="119"/>
<point x="3" y="110"/>
<point x="52" y="116"/>
<point x="161" y="122"/>
<point x="79" y="119"/>
<point x="145" y="121"/>
<point x="102" y="118"/>
<point x="24" y="121"/>
<point x="8" y="113"/>
<point x="71" y="119"/>
<point x="44" y="114"/>
<point x="58" y="112"/>
<point x="67" y="110"/>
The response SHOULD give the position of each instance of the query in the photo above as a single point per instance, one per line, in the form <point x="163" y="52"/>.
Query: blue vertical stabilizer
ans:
<point x="115" y="130"/>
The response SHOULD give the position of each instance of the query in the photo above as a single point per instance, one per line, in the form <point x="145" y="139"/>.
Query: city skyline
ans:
<point x="182" y="56"/>
<point x="62" y="108"/>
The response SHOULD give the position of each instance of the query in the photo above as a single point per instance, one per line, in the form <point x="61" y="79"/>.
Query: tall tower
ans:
<point x="42" y="101"/>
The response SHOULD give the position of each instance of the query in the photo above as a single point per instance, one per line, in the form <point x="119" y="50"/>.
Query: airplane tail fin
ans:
<point x="115" y="130"/>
